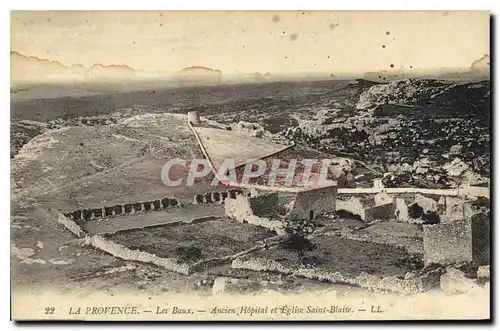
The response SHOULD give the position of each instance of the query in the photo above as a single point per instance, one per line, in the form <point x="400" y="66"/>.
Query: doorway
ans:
<point x="311" y="215"/>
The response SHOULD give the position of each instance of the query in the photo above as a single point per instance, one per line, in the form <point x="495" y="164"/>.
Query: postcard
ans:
<point x="250" y="165"/>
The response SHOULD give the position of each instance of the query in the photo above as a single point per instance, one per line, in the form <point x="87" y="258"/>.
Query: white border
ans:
<point x="255" y="5"/>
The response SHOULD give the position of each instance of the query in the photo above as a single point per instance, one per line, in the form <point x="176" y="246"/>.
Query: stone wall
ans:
<point x="71" y="225"/>
<point x="125" y="253"/>
<point x="82" y="215"/>
<point x="240" y="209"/>
<point x="381" y="212"/>
<point x="264" y="204"/>
<point x="411" y="209"/>
<point x="418" y="284"/>
<point x="462" y="241"/>
<point x="122" y="252"/>
<point x="167" y="225"/>
<point x="311" y="203"/>
<point x="215" y="196"/>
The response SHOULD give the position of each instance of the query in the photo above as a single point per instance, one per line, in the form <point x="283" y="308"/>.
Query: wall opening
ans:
<point x="311" y="215"/>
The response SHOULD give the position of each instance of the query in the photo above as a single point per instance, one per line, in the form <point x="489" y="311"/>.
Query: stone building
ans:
<point x="311" y="203"/>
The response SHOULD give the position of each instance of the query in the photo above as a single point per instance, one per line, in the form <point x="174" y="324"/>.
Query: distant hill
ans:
<point x="198" y="75"/>
<point x="31" y="70"/>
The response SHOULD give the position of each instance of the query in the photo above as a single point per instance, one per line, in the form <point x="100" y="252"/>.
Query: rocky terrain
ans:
<point x="69" y="153"/>
<point x="412" y="132"/>
<point x="415" y="132"/>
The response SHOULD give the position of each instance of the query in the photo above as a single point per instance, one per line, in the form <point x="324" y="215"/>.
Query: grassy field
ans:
<point x="214" y="239"/>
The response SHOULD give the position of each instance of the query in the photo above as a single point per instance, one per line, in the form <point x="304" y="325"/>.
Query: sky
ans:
<point x="287" y="42"/>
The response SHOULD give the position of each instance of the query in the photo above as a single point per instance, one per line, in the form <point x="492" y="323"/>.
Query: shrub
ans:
<point x="188" y="254"/>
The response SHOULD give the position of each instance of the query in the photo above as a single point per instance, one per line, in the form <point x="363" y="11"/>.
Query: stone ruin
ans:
<point x="459" y="241"/>
<point x="262" y="208"/>
<point x="255" y="208"/>
<point x="83" y="215"/>
<point x="215" y="196"/>
<point x="311" y="203"/>
<point x="461" y="235"/>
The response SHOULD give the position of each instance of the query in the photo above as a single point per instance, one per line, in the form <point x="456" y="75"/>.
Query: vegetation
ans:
<point x="188" y="254"/>
<point x="297" y="240"/>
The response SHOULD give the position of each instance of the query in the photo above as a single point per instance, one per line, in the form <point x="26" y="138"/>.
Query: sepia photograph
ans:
<point x="286" y="165"/>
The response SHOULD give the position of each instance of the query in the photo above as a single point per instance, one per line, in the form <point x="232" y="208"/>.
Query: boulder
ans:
<point x="422" y="166"/>
<point x="456" y="149"/>
<point x="340" y="167"/>
<point x="454" y="282"/>
<point x="406" y="167"/>
<point x="378" y="183"/>
<point x="483" y="274"/>
<point x="455" y="168"/>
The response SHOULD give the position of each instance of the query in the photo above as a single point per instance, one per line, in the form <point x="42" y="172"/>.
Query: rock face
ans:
<point x="421" y="92"/>
<point x="455" y="168"/>
<point x="446" y="125"/>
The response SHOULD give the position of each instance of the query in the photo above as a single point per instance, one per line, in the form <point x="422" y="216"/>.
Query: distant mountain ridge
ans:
<point x="31" y="69"/>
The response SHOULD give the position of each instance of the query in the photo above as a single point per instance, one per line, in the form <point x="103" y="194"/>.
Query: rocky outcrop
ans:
<point x="419" y="123"/>
<point x="424" y="92"/>
<point x="22" y="132"/>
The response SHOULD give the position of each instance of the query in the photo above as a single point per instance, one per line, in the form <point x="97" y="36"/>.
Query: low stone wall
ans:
<point x="413" y="285"/>
<point x="82" y="215"/>
<point x="122" y="252"/>
<point x="412" y="245"/>
<point x="239" y="209"/>
<point x="125" y="253"/>
<point x="171" y="264"/>
<point x="213" y="262"/>
<point x="216" y="196"/>
<point x="71" y="225"/>
<point x="204" y="219"/>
